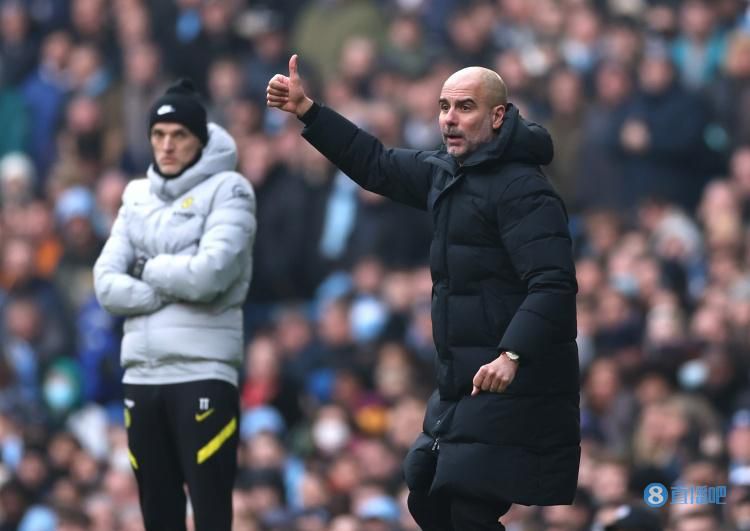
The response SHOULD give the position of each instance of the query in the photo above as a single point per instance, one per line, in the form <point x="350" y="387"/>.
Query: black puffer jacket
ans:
<point x="503" y="279"/>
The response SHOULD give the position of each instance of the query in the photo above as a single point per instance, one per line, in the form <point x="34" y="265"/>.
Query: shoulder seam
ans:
<point x="518" y="178"/>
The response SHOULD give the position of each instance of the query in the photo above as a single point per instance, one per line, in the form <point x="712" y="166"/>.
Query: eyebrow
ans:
<point x="160" y="130"/>
<point x="458" y="102"/>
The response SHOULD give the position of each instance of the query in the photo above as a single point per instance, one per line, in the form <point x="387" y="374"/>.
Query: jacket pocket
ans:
<point x="420" y="464"/>
<point x="134" y="342"/>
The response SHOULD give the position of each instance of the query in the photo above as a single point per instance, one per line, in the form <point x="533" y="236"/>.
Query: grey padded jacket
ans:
<point x="184" y="318"/>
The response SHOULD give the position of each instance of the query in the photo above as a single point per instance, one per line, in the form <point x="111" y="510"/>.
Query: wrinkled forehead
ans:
<point x="462" y="85"/>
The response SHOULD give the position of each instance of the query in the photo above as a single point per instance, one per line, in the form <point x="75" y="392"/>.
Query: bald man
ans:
<point x="503" y="425"/>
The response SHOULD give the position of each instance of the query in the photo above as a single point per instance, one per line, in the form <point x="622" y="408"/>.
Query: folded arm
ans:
<point x="117" y="291"/>
<point x="229" y="231"/>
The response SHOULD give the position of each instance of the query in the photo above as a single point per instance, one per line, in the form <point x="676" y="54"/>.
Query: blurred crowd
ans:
<point x="648" y="102"/>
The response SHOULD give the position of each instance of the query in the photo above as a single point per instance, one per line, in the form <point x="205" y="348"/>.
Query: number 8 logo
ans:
<point x="655" y="495"/>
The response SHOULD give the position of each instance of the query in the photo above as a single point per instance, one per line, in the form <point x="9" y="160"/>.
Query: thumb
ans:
<point x="475" y="391"/>
<point x="293" y="75"/>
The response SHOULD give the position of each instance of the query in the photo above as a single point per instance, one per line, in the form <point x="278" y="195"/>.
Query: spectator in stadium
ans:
<point x="503" y="304"/>
<point x="660" y="159"/>
<point x="565" y="125"/>
<point x="601" y="179"/>
<point x="697" y="520"/>
<point x="701" y="45"/>
<point x="44" y="93"/>
<point x="141" y="84"/>
<point x="18" y="47"/>
<point x="178" y="264"/>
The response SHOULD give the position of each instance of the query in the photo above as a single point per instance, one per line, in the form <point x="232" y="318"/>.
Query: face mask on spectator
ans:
<point x="59" y="393"/>
<point x="368" y="317"/>
<point x="625" y="284"/>
<point x="12" y="451"/>
<point x="120" y="460"/>
<point x="330" y="435"/>
<point x="693" y="374"/>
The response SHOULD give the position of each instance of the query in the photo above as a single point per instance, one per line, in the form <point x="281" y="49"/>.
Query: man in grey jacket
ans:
<point x="178" y="265"/>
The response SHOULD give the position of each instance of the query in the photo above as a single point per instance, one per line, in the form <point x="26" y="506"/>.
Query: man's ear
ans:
<point x="498" y="113"/>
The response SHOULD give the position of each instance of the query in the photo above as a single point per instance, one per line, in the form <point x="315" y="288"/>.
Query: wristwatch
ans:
<point x="136" y="269"/>
<point x="512" y="356"/>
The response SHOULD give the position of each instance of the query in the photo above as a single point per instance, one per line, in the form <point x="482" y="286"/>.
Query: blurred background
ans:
<point x="648" y="102"/>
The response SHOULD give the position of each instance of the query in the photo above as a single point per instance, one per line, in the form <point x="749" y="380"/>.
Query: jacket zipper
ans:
<point x="436" y="444"/>
<point x="150" y="359"/>
<point x="445" y="261"/>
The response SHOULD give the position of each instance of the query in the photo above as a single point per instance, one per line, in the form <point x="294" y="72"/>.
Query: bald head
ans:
<point x="488" y="82"/>
<point x="472" y="107"/>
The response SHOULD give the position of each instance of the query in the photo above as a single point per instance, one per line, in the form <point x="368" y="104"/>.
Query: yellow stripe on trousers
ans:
<point x="214" y="444"/>
<point x="133" y="462"/>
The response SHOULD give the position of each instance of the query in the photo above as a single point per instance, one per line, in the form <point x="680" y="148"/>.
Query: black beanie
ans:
<point x="180" y="104"/>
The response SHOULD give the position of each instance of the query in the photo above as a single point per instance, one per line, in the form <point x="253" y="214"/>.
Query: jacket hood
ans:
<point x="219" y="154"/>
<point x="518" y="141"/>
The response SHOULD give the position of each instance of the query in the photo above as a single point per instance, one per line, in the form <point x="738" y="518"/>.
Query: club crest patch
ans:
<point x="239" y="191"/>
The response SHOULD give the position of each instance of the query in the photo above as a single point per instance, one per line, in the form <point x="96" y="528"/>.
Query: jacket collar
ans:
<point x="219" y="154"/>
<point x="517" y="141"/>
<point x="496" y="148"/>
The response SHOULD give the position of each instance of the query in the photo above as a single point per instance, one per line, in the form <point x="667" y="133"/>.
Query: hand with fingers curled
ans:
<point x="287" y="93"/>
<point x="496" y="376"/>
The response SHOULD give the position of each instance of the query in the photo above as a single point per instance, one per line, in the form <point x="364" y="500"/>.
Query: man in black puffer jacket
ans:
<point x="503" y="426"/>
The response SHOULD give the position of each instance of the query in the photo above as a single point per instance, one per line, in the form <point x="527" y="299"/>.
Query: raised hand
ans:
<point x="286" y="92"/>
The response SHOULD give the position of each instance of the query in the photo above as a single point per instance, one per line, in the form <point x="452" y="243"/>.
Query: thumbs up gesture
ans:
<point x="286" y="92"/>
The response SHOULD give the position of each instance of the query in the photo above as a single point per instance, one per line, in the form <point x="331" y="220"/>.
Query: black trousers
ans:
<point x="184" y="435"/>
<point x="454" y="513"/>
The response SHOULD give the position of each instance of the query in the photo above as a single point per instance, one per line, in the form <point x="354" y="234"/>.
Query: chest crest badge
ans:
<point x="187" y="202"/>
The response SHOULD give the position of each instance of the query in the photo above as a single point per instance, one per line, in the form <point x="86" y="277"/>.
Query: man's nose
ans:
<point x="451" y="118"/>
